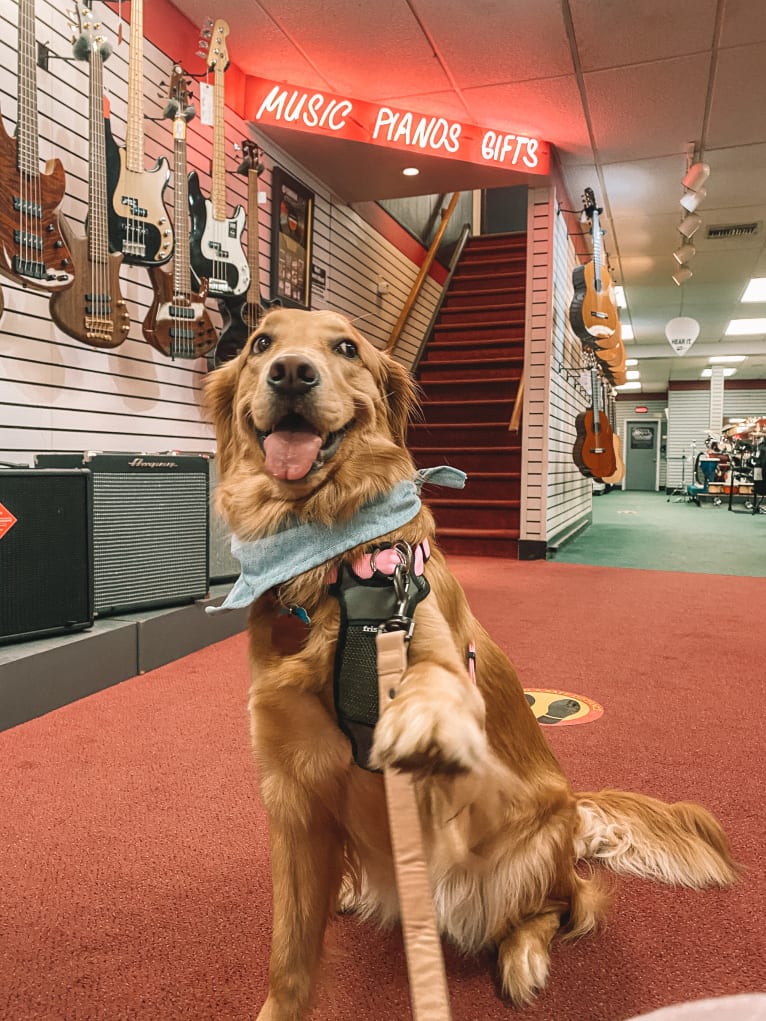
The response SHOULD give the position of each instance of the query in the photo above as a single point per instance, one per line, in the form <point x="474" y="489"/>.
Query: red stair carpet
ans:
<point x="469" y="376"/>
<point x="134" y="867"/>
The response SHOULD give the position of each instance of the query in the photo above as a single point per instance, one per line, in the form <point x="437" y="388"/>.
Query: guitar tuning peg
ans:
<point x="201" y="53"/>
<point x="237" y="147"/>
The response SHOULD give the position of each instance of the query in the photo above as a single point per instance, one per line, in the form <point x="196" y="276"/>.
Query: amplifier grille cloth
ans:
<point x="149" y="537"/>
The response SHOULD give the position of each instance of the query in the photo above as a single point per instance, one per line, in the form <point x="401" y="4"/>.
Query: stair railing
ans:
<point x="513" y="425"/>
<point x="465" y="233"/>
<point x="420" y="279"/>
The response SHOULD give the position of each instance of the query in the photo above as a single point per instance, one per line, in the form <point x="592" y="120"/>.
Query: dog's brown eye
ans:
<point x="262" y="343"/>
<point x="347" y="348"/>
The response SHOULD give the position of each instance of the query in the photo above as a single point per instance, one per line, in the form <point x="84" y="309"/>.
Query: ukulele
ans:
<point x="32" y="249"/>
<point x="592" y="312"/>
<point x="177" y="323"/>
<point x="593" y="450"/>
<point x="138" y="221"/>
<point x="241" y="315"/>
<point x="93" y="310"/>
<point x="216" y="241"/>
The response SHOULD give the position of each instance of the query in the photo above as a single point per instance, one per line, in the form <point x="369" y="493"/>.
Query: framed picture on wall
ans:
<point x="292" y="212"/>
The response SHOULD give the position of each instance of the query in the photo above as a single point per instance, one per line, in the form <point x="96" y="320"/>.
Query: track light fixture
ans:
<point x="696" y="175"/>
<point x="684" y="253"/>
<point x="691" y="199"/>
<point x="690" y="224"/>
<point x="681" y="275"/>
<point x="694" y="194"/>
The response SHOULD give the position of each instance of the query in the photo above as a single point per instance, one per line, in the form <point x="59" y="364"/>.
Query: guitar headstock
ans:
<point x="179" y="106"/>
<point x="251" y="158"/>
<point x="589" y="206"/>
<point x="85" y="34"/>
<point x="215" y="40"/>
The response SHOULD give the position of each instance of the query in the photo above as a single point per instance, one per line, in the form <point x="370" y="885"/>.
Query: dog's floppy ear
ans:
<point x="218" y="399"/>
<point x="400" y="398"/>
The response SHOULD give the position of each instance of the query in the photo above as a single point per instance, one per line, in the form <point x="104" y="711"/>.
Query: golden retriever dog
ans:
<point x="311" y="422"/>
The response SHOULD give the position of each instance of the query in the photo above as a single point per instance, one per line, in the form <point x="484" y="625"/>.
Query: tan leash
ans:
<point x="425" y="964"/>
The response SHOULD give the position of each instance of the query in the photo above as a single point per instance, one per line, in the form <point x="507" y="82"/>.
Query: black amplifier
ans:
<point x="46" y="570"/>
<point x="223" y="565"/>
<point x="150" y="527"/>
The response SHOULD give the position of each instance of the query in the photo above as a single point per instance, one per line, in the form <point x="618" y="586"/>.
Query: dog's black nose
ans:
<point x="292" y="375"/>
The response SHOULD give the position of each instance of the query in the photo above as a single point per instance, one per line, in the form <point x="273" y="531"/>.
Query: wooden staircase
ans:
<point x="469" y="376"/>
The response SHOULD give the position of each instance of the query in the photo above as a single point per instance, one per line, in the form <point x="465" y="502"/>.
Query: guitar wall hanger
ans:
<point x="46" y="54"/>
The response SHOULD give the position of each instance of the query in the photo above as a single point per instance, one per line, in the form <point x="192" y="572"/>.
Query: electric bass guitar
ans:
<point x="139" y="226"/>
<point x="241" y="315"/>
<point x="93" y="310"/>
<point x="177" y="323"/>
<point x="592" y="312"/>
<point x="216" y="241"/>
<point x="593" y="450"/>
<point x="32" y="249"/>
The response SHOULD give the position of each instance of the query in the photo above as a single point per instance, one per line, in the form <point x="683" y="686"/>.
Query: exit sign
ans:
<point x="641" y="409"/>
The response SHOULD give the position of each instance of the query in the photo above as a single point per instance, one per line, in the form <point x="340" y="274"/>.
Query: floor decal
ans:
<point x="561" y="708"/>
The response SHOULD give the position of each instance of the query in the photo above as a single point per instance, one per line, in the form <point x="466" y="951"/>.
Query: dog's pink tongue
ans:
<point x="291" y="453"/>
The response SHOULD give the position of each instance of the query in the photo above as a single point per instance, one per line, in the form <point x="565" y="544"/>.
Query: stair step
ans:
<point x="507" y="280"/>
<point x="471" y="344"/>
<point x="479" y="412"/>
<point x="483" y="388"/>
<point x="468" y="297"/>
<point x="494" y="514"/>
<point x="491" y="315"/>
<point x="482" y="485"/>
<point x="438" y="434"/>
<point x="468" y="370"/>
<point x="480" y="336"/>
<point x="472" y="542"/>
<point x="507" y="239"/>
<point x="490" y="265"/>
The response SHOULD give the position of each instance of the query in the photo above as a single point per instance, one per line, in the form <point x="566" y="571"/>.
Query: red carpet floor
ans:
<point x="134" y="879"/>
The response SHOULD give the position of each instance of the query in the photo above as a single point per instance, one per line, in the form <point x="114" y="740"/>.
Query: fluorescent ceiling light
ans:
<point x="745" y="327"/>
<point x="755" y="290"/>
<point x="633" y="385"/>
<point x="631" y="361"/>
<point x="627" y="331"/>
<point x="619" y="296"/>
<point x="707" y="373"/>
<point x="723" y="359"/>
<point x="632" y="374"/>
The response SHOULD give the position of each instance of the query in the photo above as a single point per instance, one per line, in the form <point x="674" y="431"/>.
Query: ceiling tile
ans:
<point x="738" y="106"/>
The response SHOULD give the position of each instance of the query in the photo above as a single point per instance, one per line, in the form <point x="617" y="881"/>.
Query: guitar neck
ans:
<point x="98" y="227"/>
<point x="134" y="138"/>
<point x="595" y="400"/>
<point x="596" y="231"/>
<point x="218" y="196"/>
<point x="27" y="150"/>
<point x="253" y="241"/>
<point x="181" y="256"/>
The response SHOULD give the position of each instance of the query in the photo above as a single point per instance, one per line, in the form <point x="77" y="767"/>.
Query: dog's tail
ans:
<point x="681" y="844"/>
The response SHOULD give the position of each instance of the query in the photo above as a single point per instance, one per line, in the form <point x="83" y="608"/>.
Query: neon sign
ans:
<point x="287" y="106"/>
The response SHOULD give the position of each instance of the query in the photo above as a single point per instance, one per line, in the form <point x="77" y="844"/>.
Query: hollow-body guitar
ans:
<point x="216" y="240"/>
<point x="32" y="248"/>
<point x="93" y="309"/>
<point x="177" y="323"/>
<point x="139" y="225"/>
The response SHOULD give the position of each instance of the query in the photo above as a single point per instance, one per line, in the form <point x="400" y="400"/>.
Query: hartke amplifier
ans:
<point x="150" y="528"/>
<point x="46" y="577"/>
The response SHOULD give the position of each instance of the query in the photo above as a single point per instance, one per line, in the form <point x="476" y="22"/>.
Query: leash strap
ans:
<point x="425" y="963"/>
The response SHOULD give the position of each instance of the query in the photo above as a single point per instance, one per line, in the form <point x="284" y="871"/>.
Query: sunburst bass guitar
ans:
<point x="93" y="310"/>
<point x="177" y="323"/>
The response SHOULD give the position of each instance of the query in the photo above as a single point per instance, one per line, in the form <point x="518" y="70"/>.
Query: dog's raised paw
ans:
<point x="440" y="732"/>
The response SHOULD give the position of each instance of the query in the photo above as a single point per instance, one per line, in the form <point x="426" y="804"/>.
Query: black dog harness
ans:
<point x="384" y="601"/>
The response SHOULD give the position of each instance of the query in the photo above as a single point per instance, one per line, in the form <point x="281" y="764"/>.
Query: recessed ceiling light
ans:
<point x="723" y="359"/>
<point x="707" y="373"/>
<point x="755" y="290"/>
<point x="631" y="361"/>
<point x="745" y="327"/>
<point x="627" y="331"/>
<point x="619" y="296"/>
<point x="633" y="385"/>
<point x="410" y="171"/>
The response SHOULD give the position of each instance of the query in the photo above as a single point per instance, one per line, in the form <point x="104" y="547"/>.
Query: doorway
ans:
<point x="641" y="455"/>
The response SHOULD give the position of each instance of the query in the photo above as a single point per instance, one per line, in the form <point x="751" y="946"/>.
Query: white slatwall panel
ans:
<point x="569" y="502"/>
<point x="744" y="403"/>
<point x="688" y="422"/>
<point x="58" y="394"/>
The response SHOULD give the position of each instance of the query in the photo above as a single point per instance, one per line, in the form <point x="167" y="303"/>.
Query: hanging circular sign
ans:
<point x="681" y="333"/>
<point x="561" y="708"/>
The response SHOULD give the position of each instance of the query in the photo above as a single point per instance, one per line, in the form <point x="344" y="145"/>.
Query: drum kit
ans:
<point x="736" y="460"/>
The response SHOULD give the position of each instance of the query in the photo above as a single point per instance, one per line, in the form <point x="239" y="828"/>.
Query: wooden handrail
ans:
<point x="513" y="425"/>
<point x="415" y="291"/>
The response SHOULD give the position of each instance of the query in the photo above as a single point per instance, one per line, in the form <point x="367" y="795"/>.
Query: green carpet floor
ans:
<point x="645" y="530"/>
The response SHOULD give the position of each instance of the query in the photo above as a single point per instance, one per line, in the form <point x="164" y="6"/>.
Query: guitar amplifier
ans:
<point x="223" y="565"/>
<point x="150" y="527"/>
<point x="46" y="569"/>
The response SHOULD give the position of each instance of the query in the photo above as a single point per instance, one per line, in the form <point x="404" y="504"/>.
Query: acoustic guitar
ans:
<point x="216" y="240"/>
<point x="241" y="315"/>
<point x="593" y="450"/>
<point x="619" y="472"/>
<point x="613" y="359"/>
<point x="139" y="226"/>
<point x="592" y="312"/>
<point x="177" y="323"/>
<point x="93" y="310"/>
<point x="32" y="249"/>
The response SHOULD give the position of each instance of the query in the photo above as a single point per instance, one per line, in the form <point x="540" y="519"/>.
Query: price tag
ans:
<point x="206" y="103"/>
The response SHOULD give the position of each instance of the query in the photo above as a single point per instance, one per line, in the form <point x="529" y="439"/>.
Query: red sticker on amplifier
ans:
<point x="7" y="520"/>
